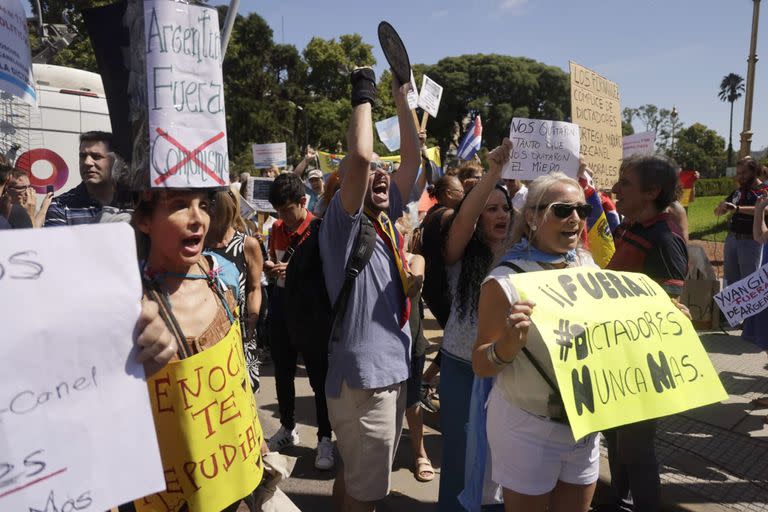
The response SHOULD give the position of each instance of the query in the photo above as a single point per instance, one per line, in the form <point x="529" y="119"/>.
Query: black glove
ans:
<point x="363" y="86"/>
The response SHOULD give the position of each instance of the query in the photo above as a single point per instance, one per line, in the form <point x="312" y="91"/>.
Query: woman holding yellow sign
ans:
<point x="534" y="455"/>
<point x="205" y="414"/>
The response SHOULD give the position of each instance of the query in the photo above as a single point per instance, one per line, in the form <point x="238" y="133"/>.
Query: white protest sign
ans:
<point x="257" y="194"/>
<point x="185" y="95"/>
<point x="639" y="144"/>
<point x="744" y="298"/>
<point x="413" y="95"/>
<point x="267" y="155"/>
<point x="540" y="147"/>
<point x="15" y="57"/>
<point x="430" y="95"/>
<point x="389" y="132"/>
<point x="76" y="427"/>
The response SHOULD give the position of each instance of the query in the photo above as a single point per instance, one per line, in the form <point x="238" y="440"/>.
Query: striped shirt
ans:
<point x="73" y="208"/>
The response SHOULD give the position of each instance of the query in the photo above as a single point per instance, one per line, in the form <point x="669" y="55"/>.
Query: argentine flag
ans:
<point x="470" y="144"/>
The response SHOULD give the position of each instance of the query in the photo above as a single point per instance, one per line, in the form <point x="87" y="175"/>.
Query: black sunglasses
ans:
<point x="564" y="210"/>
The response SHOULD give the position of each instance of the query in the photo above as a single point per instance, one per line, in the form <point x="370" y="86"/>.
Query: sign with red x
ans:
<point x="185" y="96"/>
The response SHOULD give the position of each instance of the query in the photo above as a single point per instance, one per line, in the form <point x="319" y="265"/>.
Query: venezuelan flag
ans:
<point x="329" y="162"/>
<point x="599" y="238"/>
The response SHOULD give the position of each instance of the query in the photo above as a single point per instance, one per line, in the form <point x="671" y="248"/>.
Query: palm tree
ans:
<point x="731" y="89"/>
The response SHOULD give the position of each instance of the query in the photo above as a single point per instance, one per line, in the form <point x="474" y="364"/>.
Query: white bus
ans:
<point x="45" y="141"/>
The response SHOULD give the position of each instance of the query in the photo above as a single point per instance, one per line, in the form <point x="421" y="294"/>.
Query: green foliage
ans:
<point x="697" y="147"/>
<point x="663" y="121"/>
<point x="330" y="63"/>
<point x="720" y="187"/>
<point x="497" y="87"/>
<point x="731" y="88"/>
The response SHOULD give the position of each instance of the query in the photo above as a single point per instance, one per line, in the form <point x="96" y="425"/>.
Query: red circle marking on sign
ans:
<point x="60" y="169"/>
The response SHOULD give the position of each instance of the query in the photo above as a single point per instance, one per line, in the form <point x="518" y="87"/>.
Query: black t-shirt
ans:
<point x="740" y="223"/>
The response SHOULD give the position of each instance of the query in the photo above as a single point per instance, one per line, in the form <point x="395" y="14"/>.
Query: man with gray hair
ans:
<point x="649" y="242"/>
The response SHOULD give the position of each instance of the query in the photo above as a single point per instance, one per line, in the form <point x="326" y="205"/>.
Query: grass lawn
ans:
<point x="702" y="223"/>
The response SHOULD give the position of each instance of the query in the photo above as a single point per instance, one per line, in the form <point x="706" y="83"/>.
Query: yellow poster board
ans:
<point x="596" y="108"/>
<point x="208" y="430"/>
<point x="621" y="350"/>
<point x="329" y="162"/>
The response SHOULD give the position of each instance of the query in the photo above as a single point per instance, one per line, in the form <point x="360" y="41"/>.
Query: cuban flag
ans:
<point x="470" y="144"/>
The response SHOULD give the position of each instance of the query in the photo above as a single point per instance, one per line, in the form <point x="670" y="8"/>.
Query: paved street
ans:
<point x="713" y="459"/>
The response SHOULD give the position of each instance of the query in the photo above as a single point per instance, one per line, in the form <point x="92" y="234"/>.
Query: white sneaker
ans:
<point x="324" y="459"/>
<point x="283" y="438"/>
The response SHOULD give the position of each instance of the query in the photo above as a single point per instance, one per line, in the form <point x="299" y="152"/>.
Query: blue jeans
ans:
<point x="742" y="257"/>
<point x="456" y="379"/>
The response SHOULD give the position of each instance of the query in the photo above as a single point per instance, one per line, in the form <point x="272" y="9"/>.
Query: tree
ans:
<point x="659" y="120"/>
<point x="700" y="148"/>
<point x="497" y="87"/>
<point x="330" y="64"/>
<point x="627" y="116"/>
<point x="731" y="88"/>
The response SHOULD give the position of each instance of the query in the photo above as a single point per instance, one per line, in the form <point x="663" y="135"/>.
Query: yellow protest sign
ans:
<point x="207" y="428"/>
<point x="595" y="107"/>
<point x="621" y="350"/>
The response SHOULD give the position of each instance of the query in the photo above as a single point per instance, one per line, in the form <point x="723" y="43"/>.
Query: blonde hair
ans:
<point x="534" y="201"/>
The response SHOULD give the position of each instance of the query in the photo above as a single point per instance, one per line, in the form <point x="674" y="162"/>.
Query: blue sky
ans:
<point x="671" y="52"/>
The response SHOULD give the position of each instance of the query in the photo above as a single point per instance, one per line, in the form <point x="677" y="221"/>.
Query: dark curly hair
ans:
<point x="287" y="188"/>
<point x="475" y="263"/>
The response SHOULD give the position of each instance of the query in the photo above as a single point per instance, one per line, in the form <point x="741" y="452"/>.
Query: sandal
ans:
<point x="760" y="403"/>
<point x="424" y="471"/>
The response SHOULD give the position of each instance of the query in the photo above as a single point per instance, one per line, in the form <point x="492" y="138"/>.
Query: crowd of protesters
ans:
<point x="209" y="273"/>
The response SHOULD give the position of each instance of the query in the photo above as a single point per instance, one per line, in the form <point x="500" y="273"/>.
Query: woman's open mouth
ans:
<point x="192" y="245"/>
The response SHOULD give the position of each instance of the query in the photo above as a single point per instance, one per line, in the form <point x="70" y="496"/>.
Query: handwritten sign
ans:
<point x="15" y="57"/>
<point x="413" y="96"/>
<point x="541" y="147"/>
<point x="257" y="194"/>
<point x="596" y="109"/>
<point x="76" y="429"/>
<point x="622" y="352"/>
<point x="744" y="298"/>
<point x="430" y="96"/>
<point x="185" y="95"/>
<point x="267" y="155"/>
<point x="209" y="431"/>
<point x="643" y="143"/>
<point x="389" y="132"/>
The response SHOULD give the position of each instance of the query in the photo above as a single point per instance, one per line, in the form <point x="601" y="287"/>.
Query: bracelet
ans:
<point x="494" y="358"/>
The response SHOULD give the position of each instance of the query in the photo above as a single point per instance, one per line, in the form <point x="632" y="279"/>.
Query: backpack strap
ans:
<point x="358" y="259"/>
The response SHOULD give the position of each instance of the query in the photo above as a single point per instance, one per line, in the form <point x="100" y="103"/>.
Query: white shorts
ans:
<point x="530" y="454"/>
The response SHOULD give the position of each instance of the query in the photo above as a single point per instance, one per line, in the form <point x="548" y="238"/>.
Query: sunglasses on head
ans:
<point x="564" y="210"/>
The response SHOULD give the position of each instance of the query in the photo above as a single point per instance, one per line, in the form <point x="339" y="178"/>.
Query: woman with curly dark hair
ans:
<point x="476" y="237"/>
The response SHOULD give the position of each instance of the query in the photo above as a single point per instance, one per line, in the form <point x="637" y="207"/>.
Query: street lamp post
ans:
<point x="746" y="134"/>
<point x="673" y="117"/>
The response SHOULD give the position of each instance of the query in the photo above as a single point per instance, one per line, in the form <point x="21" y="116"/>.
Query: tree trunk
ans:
<point x="730" y="140"/>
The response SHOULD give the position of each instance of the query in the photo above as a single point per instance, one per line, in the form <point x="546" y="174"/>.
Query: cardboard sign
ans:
<point x="744" y="298"/>
<point x="209" y="431"/>
<point x="542" y="147"/>
<point x="621" y="350"/>
<point x="76" y="429"/>
<point x="389" y="132"/>
<point x="413" y="96"/>
<point x="267" y="155"/>
<point x="595" y="107"/>
<point x="257" y="194"/>
<point x="185" y="96"/>
<point x="15" y="57"/>
<point x="430" y="95"/>
<point x="639" y="144"/>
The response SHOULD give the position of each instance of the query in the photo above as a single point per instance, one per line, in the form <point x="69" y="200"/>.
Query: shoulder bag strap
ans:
<point x="527" y="352"/>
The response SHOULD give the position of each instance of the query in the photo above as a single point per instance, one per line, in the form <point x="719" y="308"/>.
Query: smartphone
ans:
<point x="49" y="189"/>
<point x="287" y="256"/>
